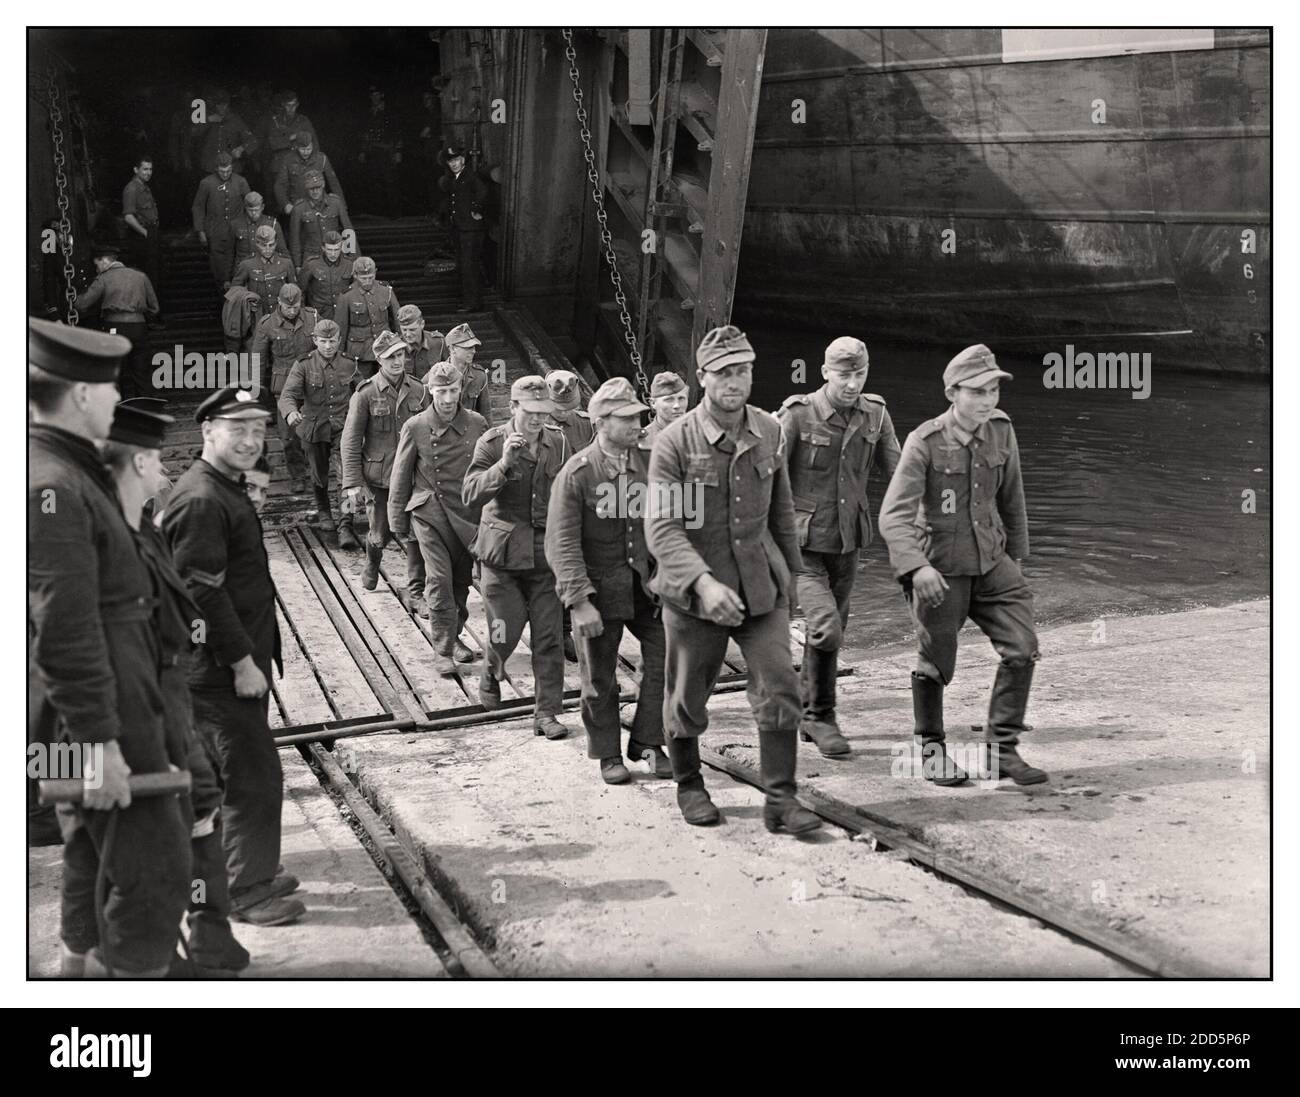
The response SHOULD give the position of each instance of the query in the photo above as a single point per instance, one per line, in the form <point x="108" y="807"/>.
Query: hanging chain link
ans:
<point x="598" y="194"/>
<point x="61" y="182"/>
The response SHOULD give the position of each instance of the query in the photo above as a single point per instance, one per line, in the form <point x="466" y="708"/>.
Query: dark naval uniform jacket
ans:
<point x="830" y="455"/>
<point x="956" y="501"/>
<point x="376" y="415"/>
<point x="514" y="501"/>
<point x="737" y="496"/>
<point x="595" y="531"/>
<point x="429" y="470"/>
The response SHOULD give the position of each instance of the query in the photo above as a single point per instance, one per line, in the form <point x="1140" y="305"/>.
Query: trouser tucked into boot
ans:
<point x="777" y="754"/>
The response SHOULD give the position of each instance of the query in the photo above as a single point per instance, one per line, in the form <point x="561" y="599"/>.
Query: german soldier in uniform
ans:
<point x="95" y="652"/>
<point x="216" y="541"/>
<point x="833" y="437"/>
<point x="569" y="414"/>
<point x="423" y="348"/>
<point x="217" y="202"/>
<point x="668" y="398"/>
<point x="721" y="529"/>
<point x="379" y="409"/>
<point x="292" y="179"/>
<point x="363" y="311"/>
<point x="595" y="544"/>
<point x="315" y="400"/>
<point x="280" y="340"/>
<point x="427" y="499"/>
<point x="954" y="520"/>
<point x="326" y="277"/>
<point x="264" y="274"/>
<point x="474" y="393"/>
<point x="245" y="224"/>
<point x="464" y="195"/>
<point x="511" y="475"/>
<point x="282" y="132"/>
<point x="314" y="216"/>
<point x="126" y="302"/>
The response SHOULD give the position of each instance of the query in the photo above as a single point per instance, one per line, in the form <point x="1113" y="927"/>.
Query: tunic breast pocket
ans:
<point x="359" y="315"/>
<point x="991" y="479"/>
<point x="815" y="449"/>
<point x="701" y="468"/>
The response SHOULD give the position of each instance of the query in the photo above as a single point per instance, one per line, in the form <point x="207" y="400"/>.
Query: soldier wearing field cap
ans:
<point x="264" y="274"/>
<point x="426" y="499"/>
<point x="668" y="399"/>
<point x="290" y="178"/>
<point x="378" y="410"/>
<point x="569" y="414"/>
<point x="313" y="216"/>
<point x="280" y="340"/>
<point x="364" y="310"/>
<point x="423" y="348"/>
<point x="462" y="344"/>
<point x="243" y="227"/>
<point x="93" y="650"/>
<point x="315" y="400"/>
<point x="721" y="529"/>
<point x="283" y="131"/>
<point x="217" y="202"/>
<point x="595" y="544"/>
<point x="954" y="520"/>
<point x="834" y="437"/>
<point x="511" y="475"/>
<point x="216" y="542"/>
<point x="327" y="276"/>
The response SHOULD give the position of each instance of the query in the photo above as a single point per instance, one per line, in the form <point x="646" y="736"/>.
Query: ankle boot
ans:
<point x="212" y="942"/>
<point x="927" y="717"/>
<point x="370" y="575"/>
<point x="777" y="751"/>
<point x="692" y="797"/>
<point x="1007" y="723"/>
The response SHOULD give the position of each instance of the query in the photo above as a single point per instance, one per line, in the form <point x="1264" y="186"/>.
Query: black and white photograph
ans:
<point x="650" y="504"/>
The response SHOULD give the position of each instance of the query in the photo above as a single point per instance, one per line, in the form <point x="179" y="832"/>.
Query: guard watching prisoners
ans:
<point x="280" y="340"/>
<point x="954" y="520"/>
<point x="216" y="541"/>
<point x="426" y="498"/>
<point x="833" y="439"/>
<point x="423" y="348"/>
<point x="511" y="475"/>
<point x="363" y="311"/>
<point x="126" y="301"/>
<point x="595" y="544"/>
<point x="315" y="401"/>
<point x="461" y="343"/>
<point x="668" y="399"/>
<point x="721" y="528"/>
<point x="326" y="277"/>
<point x="464" y="196"/>
<point x="94" y="651"/>
<point x="379" y="409"/>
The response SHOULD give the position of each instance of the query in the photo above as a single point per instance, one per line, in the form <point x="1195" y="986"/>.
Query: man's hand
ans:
<point x="288" y="207"/>
<point x="477" y="216"/>
<point x="107" y="787"/>
<point x="293" y="418"/>
<point x="510" y="451"/>
<point x="929" y="586"/>
<point x="249" y="680"/>
<point x="203" y="238"/>
<point x="718" y="602"/>
<point x="237" y="152"/>
<point x="586" y="621"/>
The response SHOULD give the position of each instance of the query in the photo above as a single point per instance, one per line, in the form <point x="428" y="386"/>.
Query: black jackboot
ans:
<point x="324" y="520"/>
<point x="692" y="797"/>
<point x="927" y="714"/>
<point x="1007" y="722"/>
<point x="818" y="724"/>
<point x="370" y="575"/>
<point x="212" y="943"/>
<point x="777" y="751"/>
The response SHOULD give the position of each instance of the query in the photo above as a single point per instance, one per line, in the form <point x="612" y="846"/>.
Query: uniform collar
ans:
<point x="213" y="473"/>
<point x="955" y="430"/>
<point x="713" y="429"/>
<point x="457" y="421"/>
<point x="616" y="462"/>
<point x="821" y="402"/>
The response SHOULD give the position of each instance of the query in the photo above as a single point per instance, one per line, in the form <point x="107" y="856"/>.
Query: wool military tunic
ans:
<point x="429" y="473"/>
<point x="376" y="416"/>
<point x="242" y="229"/>
<point x="310" y="221"/>
<point x="323" y="282"/>
<point x="280" y="342"/>
<point x="362" y="314"/>
<point x="217" y="203"/>
<point x="265" y="277"/>
<point x="319" y="388"/>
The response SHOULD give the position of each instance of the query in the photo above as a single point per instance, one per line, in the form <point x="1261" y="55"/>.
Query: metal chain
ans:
<point x="598" y="194"/>
<point x="61" y="182"/>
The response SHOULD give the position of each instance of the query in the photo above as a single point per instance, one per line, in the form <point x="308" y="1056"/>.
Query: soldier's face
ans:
<point x="529" y="422"/>
<point x="462" y="356"/>
<point x="413" y="333"/>
<point x="844" y="386"/>
<point x="257" y="483"/>
<point x="290" y="311"/>
<point x="316" y="193"/>
<point x="621" y="430"/>
<point x="728" y="387"/>
<point x="328" y="345"/>
<point x="975" y="405"/>
<point x="225" y="171"/>
<point x="446" y="399"/>
<point x="97" y="403"/>
<point x="365" y="281"/>
<point x="144" y="171"/>
<point x="267" y="249"/>
<point x="253" y="213"/>
<point x="394" y="365"/>
<point x="149" y="467"/>
<point x="670" y="408"/>
<point x="332" y="252"/>
<point x="305" y="151"/>
<point x="456" y="164"/>
<point x="237" y="443"/>
<point x="291" y="108"/>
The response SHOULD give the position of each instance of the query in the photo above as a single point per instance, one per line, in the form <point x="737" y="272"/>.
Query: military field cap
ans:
<point x="253" y="198"/>
<point x="975" y="366"/>
<point x="723" y="347"/>
<point x="105" y="249"/>
<point x="137" y="425"/>
<point x="409" y="314"/>
<point x="325" y="329"/>
<point x="441" y="375"/>
<point x="303" y="139"/>
<point x="387" y="343"/>
<point x="363" y="265"/>
<point x="462" y="335"/>
<point x="531" y="394"/>
<point x="290" y="294"/>
<point x="564" y="388"/>
<point x="846" y="353"/>
<point x="232" y="402"/>
<point x="615" y="397"/>
<point x="666" y="383"/>
<point x="286" y="96"/>
<point x="75" y="354"/>
<point x="332" y="237"/>
<point x="313" y="179"/>
<point x="224" y="159"/>
<point x="265" y="234"/>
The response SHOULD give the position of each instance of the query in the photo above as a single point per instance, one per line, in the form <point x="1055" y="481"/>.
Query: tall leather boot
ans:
<point x="777" y="751"/>
<point x="213" y="947"/>
<point x="370" y="575"/>
<point x="1007" y="722"/>
<point x="415" y="579"/>
<point x="347" y="535"/>
<point x="927" y="715"/>
<point x="692" y="797"/>
<point x="324" y="520"/>
<point x="818" y="724"/>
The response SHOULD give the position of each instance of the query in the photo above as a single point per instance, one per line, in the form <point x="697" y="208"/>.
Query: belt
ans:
<point x="123" y="318"/>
